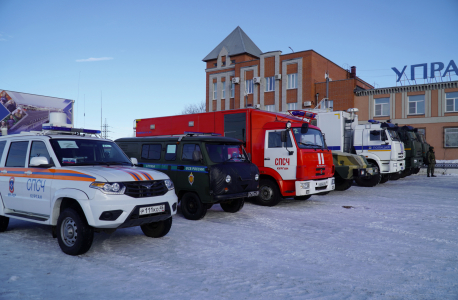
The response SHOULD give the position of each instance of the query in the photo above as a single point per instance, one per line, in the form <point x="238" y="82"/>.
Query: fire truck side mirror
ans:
<point x="304" y="128"/>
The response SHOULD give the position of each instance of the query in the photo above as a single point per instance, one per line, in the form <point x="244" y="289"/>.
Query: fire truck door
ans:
<point x="277" y="154"/>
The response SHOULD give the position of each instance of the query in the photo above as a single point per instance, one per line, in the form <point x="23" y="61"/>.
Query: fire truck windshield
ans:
<point x="312" y="139"/>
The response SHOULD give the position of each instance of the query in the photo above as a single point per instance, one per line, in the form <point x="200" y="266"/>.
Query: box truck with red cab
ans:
<point x="291" y="154"/>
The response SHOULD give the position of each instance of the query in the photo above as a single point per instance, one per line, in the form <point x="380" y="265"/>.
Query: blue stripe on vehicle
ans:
<point x="377" y="147"/>
<point x="334" y="147"/>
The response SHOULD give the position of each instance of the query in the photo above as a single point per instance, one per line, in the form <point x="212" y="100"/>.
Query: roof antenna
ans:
<point x="291" y="49"/>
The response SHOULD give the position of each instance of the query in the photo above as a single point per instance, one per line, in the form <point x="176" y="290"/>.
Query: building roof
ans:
<point x="237" y="42"/>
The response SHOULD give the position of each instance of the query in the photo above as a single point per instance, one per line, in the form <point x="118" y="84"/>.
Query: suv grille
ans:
<point x="141" y="189"/>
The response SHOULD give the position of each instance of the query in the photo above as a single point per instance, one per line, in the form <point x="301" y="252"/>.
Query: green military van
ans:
<point x="205" y="169"/>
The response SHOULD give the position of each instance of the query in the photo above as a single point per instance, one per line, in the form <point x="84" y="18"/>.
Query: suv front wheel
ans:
<point x="74" y="233"/>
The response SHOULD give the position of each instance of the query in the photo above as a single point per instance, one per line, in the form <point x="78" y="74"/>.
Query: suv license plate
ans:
<point x="253" y="194"/>
<point x="151" y="209"/>
<point x="322" y="183"/>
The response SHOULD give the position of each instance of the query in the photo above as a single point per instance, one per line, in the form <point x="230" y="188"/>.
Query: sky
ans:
<point x="140" y="59"/>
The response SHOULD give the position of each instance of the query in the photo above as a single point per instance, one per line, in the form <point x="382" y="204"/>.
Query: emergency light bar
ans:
<point x="373" y="121"/>
<point x="201" y="133"/>
<point x="388" y="125"/>
<point x="74" y="130"/>
<point x="302" y="113"/>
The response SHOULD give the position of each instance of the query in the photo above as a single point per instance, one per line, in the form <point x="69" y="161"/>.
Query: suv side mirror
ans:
<point x="134" y="161"/>
<point x="40" y="162"/>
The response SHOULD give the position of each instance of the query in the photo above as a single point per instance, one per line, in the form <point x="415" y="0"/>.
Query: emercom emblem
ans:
<point x="191" y="179"/>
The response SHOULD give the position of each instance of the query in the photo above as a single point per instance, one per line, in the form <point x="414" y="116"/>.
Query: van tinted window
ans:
<point x="188" y="149"/>
<point x="151" y="151"/>
<point x="17" y="154"/>
<point x="171" y="153"/>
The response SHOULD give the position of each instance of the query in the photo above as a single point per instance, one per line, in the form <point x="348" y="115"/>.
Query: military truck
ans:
<point x="413" y="148"/>
<point x="424" y="148"/>
<point x="205" y="169"/>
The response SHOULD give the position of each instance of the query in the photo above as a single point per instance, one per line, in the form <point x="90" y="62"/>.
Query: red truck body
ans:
<point x="288" y="170"/>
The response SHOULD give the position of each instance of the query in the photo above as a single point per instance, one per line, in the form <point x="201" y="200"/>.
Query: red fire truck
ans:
<point x="290" y="153"/>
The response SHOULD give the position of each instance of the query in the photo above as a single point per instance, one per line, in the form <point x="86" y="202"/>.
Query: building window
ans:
<point x="249" y="86"/>
<point x="269" y="107"/>
<point x="292" y="81"/>
<point x="270" y="84"/>
<point x="382" y="107"/>
<point x="450" y="137"/>
<point x="292" y="106"/>
<point x="451" y="100"/>
<point x="232" y="90"/>
<point x="417" y="105"/>
<point x="224" y="90"/>
<point x="233" y="61"/>
<point x="214" y="90"/>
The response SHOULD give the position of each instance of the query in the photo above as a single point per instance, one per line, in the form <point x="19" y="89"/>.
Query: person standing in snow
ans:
<point x="431" y="161"/>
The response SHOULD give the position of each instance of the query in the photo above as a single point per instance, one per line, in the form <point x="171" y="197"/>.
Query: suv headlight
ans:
<point x="112" y="188"/>
<point x="169" y="184"/>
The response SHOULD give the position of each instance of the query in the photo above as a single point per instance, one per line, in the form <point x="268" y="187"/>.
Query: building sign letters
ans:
<point x="434" y="67"/>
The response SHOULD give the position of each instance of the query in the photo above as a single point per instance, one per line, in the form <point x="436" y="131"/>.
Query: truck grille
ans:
<point x="141" y="189"/>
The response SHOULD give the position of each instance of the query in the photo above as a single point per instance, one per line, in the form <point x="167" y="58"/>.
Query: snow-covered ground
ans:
<point x="398" y="240"/>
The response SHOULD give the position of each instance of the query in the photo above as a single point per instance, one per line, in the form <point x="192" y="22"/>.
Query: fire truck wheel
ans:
<point x="385" y="178"/>
<point x="233" y="205"/>
<point x="192" y="208"/>
<point x="74" y="233"/>
<point x="157" y="229"/>
<point x="4" y="223"/>
<point x="269" y="194"/>
<point x="302" y="198"/>
<point x="343" y="184"/>
<point x="395" y="176"/>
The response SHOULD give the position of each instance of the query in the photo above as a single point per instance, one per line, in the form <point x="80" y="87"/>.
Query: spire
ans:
<point x="237" y="42"/>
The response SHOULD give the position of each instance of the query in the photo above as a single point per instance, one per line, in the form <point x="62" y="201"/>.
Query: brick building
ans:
<point x="239" y="74"/>
<point x="432" y="108"/>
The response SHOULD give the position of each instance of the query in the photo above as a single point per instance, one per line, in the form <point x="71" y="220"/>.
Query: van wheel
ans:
<point x="302" y="198"/>
<point x="373" y="180"/>
<point x="4" y="223"/>
<point x="343" y="184"/>
<point x="157" y="229"/>
<point x="233" y="205"/>
<point x="74" y="233"/>
<point x="269" y="194"/>
<point x="192" y="208"/>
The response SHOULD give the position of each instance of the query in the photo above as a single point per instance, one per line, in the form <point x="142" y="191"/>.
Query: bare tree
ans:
<point x="194" y="108"/>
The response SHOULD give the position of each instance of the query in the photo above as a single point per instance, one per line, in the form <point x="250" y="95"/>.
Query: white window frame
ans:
<point x="292" y="81"/>
<point x="453" y="98"/>
<point x="249" y="86"/>
<point x="269" y="107"/>
<point x="412" y="100"/>
<point x="451" y="134"/>
<point x="232" y="90"/>
<point x="215" y="90"/>
<point x="270" y="84"/>
<point x="224" y="90"/>
<point x="382" y="106"/>
<point x="292" y="106"/>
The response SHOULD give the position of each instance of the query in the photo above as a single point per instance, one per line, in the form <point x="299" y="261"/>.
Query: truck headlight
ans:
<point x="112" y="188"/>
<point x="228" y="178"/>
<point x="169" y="184"/>
<point x="395" y="164"/>
<point x="414" y="160"/>
<point x="305" y="185"/>
<point x="333" y="181"/>
<point x="256" y="177"/>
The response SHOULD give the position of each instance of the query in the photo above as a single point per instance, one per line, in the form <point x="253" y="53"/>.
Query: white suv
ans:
<point x="80" y="184"/>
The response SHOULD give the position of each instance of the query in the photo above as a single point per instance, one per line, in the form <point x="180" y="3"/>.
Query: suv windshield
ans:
<point x="394" y="135"/>
<point x="80" y="152"/>
<point x="224" y="152"/>
<point x="312" y="139"/>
